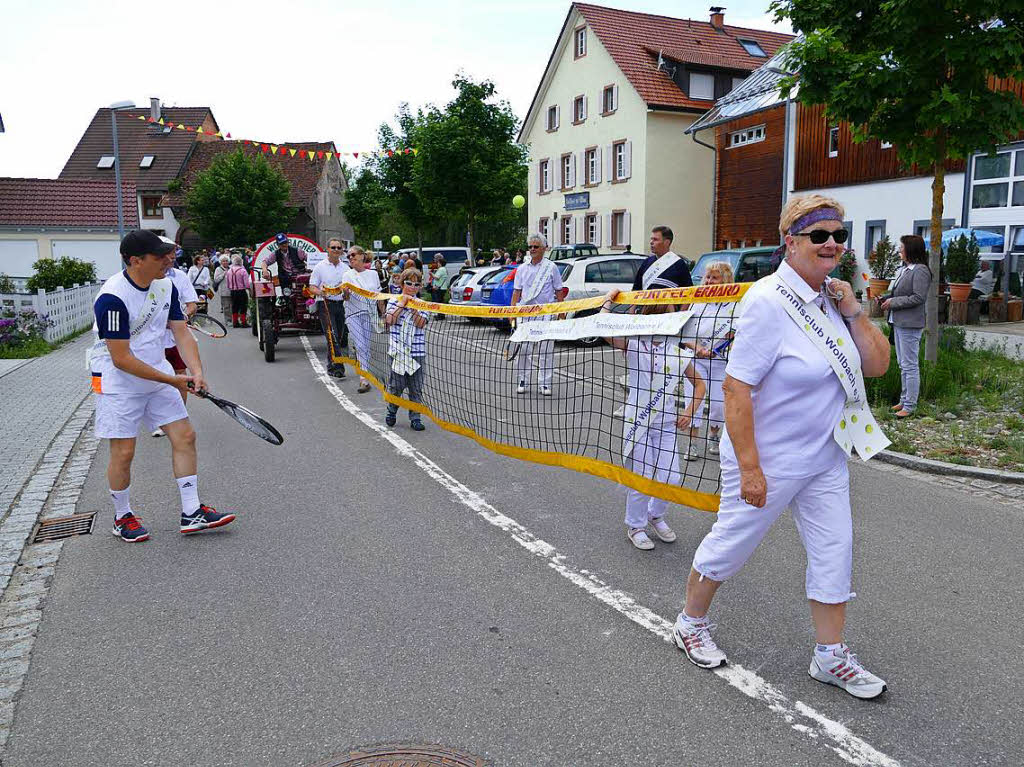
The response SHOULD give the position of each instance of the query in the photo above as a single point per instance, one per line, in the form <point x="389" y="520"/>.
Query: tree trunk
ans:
<point x="931" y="346"/>
<point x="471" y="238"/>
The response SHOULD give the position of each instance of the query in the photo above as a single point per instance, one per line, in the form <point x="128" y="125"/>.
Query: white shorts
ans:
<point x="118" y="415"/>
<point x="821" y="511"/>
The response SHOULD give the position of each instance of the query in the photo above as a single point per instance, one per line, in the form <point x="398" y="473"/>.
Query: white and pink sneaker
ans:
<point x="695" y="640"/>
<point x="841" y="668"/>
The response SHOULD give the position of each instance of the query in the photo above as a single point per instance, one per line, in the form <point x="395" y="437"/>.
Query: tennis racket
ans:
<point x="254" y="423"/>
<point x="207" y="325"/>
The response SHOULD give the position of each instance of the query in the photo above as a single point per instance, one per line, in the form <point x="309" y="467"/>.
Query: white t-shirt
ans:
<point x="367" y="280"/>
<point x="200" y="278"/>
<point x="325" y="274"/>
<point x="186" y="295"/>
<point x="123" y="310"/>
<point x="797" y="397"/>
<point x="525" y="275"/>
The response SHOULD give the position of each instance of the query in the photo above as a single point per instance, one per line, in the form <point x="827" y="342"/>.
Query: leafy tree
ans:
<point x="53" y="273"/>
<point x="915" y="74"/>
<point x="397" y="171"/>
<point x="239" y="199"/>
<point x="468" y="166"/>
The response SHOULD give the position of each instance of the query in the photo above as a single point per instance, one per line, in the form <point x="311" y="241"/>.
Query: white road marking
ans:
<point x="798" y="715"/>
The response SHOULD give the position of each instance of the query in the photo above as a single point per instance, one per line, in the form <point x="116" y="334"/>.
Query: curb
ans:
<point x="930" y="466"/>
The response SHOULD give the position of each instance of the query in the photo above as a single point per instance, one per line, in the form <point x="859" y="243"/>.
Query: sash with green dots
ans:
<point x="857" y="427"/>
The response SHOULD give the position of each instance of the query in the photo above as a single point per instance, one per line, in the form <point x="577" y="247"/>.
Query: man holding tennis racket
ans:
<point x="135" y="384"/>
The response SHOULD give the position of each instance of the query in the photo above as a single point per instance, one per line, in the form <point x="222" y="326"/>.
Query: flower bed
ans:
<point x="23" y="335"/>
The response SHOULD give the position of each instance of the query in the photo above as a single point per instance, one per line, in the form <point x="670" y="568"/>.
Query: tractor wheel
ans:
<point x="269" y="342"/>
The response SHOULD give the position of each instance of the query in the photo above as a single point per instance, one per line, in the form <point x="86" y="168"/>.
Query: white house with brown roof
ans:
<point x="608" y="156"/>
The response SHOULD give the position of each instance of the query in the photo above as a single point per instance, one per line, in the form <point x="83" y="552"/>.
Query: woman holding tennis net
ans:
<point x="794" y="409"/>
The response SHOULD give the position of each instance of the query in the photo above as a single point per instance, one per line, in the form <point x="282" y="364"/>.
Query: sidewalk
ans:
<point x="36" y="402"/>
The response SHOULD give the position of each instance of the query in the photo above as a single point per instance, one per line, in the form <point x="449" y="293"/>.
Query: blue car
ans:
<point x="497" y="291"/>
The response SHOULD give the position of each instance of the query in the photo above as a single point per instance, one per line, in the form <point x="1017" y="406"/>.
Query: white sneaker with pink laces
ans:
<point x="695" y="640"/>
<point x="841" y="668"/>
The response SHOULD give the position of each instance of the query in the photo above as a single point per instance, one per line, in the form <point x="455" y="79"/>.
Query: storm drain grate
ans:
<point x="64" y="527"/>
<point x="405" y="755"/>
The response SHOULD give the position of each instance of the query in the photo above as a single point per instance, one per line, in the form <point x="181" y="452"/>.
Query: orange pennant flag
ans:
<point x="292" y="152"/>
<point x="329" y="155"/>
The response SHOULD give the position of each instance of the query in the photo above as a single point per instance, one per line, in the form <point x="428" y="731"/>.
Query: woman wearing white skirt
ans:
<point x="358" y="309"/>
<point x="795" y="407"/>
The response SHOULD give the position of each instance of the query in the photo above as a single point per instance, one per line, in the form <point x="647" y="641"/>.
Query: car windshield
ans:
<point x="732" y="257"/>
<point x="564" y="268"/>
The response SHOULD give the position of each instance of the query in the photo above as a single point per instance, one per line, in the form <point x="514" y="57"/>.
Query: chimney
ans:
<point x="154" y="108"/>
<point x="717" y="16"/>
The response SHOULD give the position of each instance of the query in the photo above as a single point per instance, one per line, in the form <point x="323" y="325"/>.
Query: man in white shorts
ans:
<point x="136" y="385"/>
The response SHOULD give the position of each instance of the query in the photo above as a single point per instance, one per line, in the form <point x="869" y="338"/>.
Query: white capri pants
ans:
<point x="359" y="333"/>
<point x="544" y="351"/>
<point x="713" y="373"/>
<point x="821" y="511"/>
<point x="656" y="457"/>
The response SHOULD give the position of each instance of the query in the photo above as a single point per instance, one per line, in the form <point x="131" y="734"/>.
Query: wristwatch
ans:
<point x="852" y="317"/>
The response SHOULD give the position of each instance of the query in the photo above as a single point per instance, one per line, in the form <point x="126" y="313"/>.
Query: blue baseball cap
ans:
<point x="281" y="237"/>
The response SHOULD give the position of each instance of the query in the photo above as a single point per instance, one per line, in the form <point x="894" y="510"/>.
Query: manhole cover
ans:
<point x="64" y="527"/>
<point x="405" y="756"/>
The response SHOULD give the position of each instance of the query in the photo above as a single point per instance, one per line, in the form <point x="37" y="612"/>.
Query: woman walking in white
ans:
<point x="790" y="422"/>
<point x="538" y="281"/>
<point x="905" y="303"/>
<point x="358" y="308"/>
<point x="199" y="276"/>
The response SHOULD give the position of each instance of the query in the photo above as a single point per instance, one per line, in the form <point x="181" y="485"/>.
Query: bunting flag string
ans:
<point x="307" y="154"/>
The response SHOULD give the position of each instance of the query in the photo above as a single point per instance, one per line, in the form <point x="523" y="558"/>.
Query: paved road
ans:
<point x="373" y="591"/>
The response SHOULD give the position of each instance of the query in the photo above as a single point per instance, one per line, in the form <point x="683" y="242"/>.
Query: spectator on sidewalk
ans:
<point x="984" y="281"/>
<point x="199" y="276"/>
<point x="439" y="281"/>
<point x="219" y="288"/>
<point x="905" y="304"/>
<point x="238" y="285"/>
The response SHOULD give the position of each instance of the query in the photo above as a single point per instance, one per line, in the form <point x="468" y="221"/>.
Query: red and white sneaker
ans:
<point x="695" y="640"/>
<point x="842" y="669"/>
<point x="129" y="528"/>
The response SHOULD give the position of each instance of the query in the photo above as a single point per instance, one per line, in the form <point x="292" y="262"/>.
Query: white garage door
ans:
<point x="17" y="257"/>
<point x="103" y="253"/>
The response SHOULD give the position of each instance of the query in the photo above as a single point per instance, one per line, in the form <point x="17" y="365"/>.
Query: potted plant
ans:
<point x="962" y="265"/>
<point x="848" y="266"/>
<point x="882" y="261"/>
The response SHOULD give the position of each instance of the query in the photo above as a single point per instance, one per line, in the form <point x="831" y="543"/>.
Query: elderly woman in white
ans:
<point x="794" y="409"/>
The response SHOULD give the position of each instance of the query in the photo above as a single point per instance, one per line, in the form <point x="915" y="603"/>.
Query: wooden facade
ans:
<point x="750" y="181"/>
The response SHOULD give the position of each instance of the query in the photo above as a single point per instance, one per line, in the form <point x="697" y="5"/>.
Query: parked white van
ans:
<point x="454" y="257"/>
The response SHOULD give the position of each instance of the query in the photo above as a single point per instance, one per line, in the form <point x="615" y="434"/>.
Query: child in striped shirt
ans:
<point x="407" y="347"/>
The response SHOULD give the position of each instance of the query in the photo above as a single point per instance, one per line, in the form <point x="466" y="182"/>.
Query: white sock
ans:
<point x="693" y="621"/>
<point x="826" y="650"/>
<point x="189" y="489"/>
<point x="122" y="505"/>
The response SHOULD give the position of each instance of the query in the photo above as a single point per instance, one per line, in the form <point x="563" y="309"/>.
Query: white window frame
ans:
<point x="746" y="136"/>
<point x="567" y="230"/>
<point x="579" y="115"/>
<point x="145" y="157"/>
<point x="833" y="141"/>
<point x="754" y="43"/>
<point x="618" y="220"/>
<point x="544" y="227"/>
<point x="614" y="91"/>
<point x="545" y="175"/>
<point x="704" y="77"/>
<point x="592" y="224"/>
<point x="552" y="111"/>
<point x="105" y="161"/>
<point x="621" y="160"/>
<point x="580" y="43"/>
<point x="592" y="166"/>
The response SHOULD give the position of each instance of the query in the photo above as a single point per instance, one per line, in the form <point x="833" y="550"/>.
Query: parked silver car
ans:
<point x="467" y="288"/>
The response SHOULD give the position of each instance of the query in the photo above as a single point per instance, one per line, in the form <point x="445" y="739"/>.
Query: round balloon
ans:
<point x="395" y="239"/>
<point x="519" y="201"/>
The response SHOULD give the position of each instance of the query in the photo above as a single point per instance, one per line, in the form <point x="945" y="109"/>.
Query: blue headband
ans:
<point x="816" y="215"/>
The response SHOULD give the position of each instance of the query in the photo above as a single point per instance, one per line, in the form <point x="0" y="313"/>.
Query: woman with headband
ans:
<point x="794" y="410"/>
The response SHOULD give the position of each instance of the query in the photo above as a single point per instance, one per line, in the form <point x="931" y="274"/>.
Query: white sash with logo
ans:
<point x="658" y="268"/>
<point x="666" y="371"/>
<point x="856" y="427"/>
<point x="538" y="277"/>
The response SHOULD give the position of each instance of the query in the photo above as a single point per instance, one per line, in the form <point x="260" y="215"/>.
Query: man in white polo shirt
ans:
<point x="330" y="273"/>
<point x="537" y="281"/>
<point x="135" y="384"/>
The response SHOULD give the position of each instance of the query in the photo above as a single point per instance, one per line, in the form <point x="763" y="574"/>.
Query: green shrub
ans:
<point x="51" y="273"/>
<point x="962" y="261"/>
<point x="6" y="284"/>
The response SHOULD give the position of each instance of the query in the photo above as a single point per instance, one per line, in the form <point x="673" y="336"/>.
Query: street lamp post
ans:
<point x="114" y="109"/>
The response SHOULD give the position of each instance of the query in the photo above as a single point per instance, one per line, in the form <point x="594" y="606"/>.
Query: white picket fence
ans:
<point x="69" y="309"/>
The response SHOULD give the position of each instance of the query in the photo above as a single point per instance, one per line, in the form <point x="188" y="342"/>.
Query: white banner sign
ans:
<point x="607" y="324"/>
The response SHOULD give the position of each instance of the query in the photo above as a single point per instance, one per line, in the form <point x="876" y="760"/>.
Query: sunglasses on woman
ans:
<point x="820" y="236"/>
<point x="411" y="284"/>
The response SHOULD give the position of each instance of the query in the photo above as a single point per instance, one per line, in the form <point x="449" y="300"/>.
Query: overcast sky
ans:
<point x="301" y="70"/>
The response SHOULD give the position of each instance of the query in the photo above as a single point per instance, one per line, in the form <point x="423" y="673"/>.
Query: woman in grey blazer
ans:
<point x="905" y="303"/>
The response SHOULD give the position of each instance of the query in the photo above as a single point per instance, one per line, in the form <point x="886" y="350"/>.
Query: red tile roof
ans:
<point x="303" y="174"/>
<point x="137" y="138"/>
<point x="634" y="40"/>
<point x="46" y="202"/>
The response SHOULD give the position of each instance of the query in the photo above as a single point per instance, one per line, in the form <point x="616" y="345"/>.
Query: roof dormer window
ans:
<point x="106" y="161"/>
<point x="752" y="47"/>
<point x="147" y="161"/>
